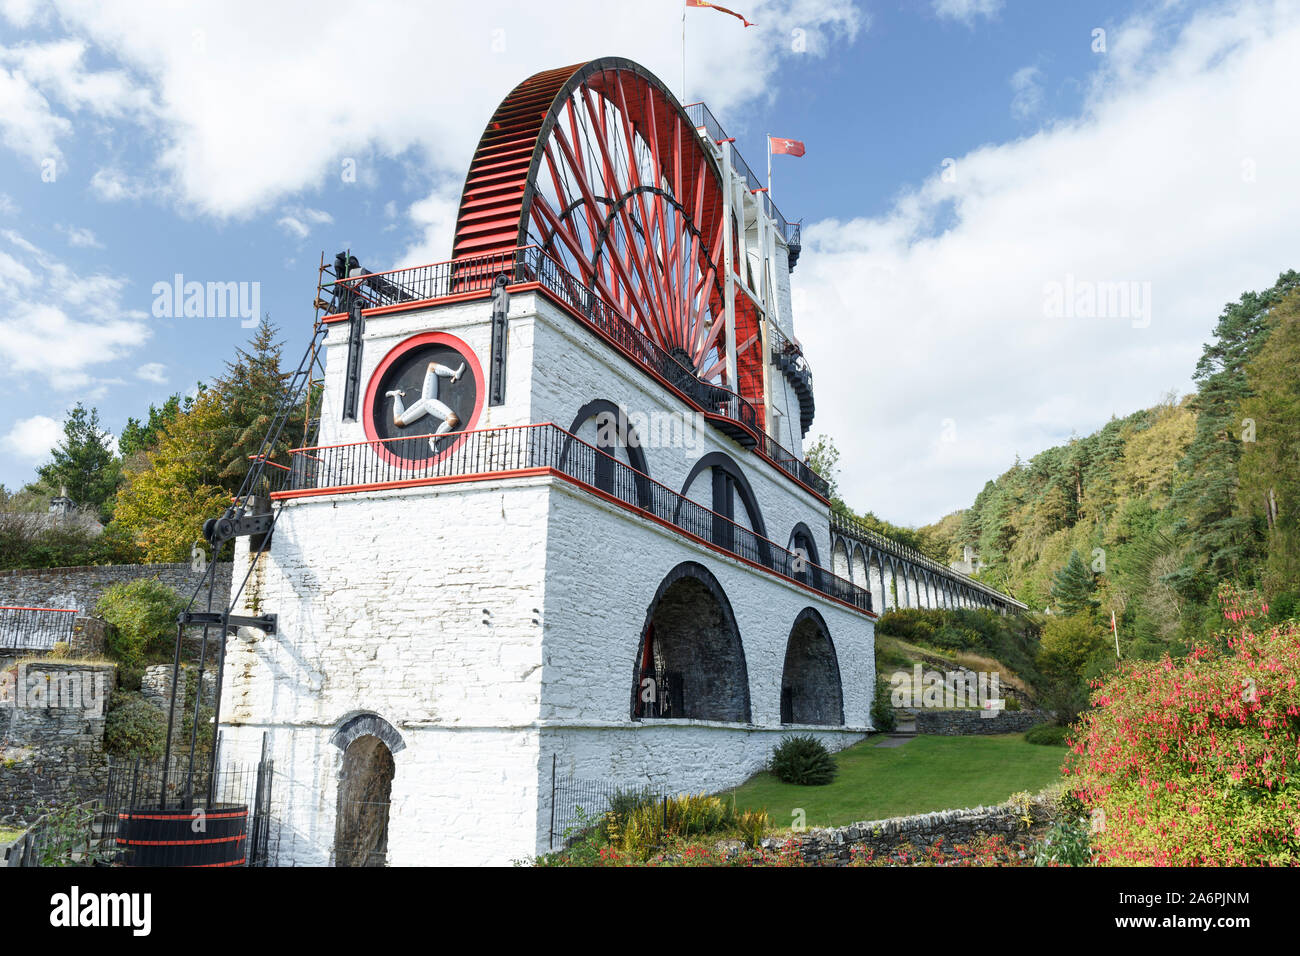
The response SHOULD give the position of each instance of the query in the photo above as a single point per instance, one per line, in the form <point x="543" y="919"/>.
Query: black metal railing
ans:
<point x="704" y="119"/>
<point x="393" y="462"/>
<point x="532" y="264"/>
<point x="135" y="785"/>
<point x="35" y="628"/>
<point x="577" y="804"/>
<point x="852" y="528"/>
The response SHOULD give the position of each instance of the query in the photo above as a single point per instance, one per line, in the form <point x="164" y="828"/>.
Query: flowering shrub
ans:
<point x="1195" y="762"/>
<point x="983" y="850"/>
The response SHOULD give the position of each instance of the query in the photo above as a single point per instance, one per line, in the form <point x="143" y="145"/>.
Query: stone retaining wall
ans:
<point x="81" y="587"/>
<point x="52" y="733"/>
<point x="834" y="846"/>
<point x="963" y="723"/>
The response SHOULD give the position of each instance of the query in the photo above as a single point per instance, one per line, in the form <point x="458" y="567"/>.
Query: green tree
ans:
<point x="1068" y="646"/>
<point x="1268" y="491"/>
<point x="200" y="457"/>
<point x="138" y="437"/>
<point x="824" y="458"/>
<point x="83" y="462"/>
<point x="1207" y="497"/>
<point x="1073" y="586"/>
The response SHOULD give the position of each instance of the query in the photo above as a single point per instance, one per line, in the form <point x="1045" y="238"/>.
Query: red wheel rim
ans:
<point x="599" y="166"/>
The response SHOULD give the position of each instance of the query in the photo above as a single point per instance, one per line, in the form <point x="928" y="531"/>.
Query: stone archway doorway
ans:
<point x="365" y="791"/>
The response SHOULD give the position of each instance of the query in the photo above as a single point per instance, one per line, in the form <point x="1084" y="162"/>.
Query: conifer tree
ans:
<point x="83" y="463"/>
<point x="1073" y="585"/>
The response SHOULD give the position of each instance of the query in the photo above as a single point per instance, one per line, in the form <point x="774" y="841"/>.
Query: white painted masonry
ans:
<point x="497" y="623"/>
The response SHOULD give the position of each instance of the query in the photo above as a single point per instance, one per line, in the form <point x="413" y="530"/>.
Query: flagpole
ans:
<point x="683" y="52"/>
<point x="1114" y="629"/>
<point x="769" y="167"/>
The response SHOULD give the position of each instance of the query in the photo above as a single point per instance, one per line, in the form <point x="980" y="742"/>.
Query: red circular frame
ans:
<point x="372" y="389"/>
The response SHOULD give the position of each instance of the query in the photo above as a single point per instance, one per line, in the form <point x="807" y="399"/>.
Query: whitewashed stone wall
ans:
<point x="575" y="367"/>
<point x="554" y="367"/>
<point x="381" y="598"/>
<point x="496" y="624"/>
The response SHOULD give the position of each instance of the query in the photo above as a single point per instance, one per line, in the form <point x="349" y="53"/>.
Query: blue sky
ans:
<point x="216" y="141"/>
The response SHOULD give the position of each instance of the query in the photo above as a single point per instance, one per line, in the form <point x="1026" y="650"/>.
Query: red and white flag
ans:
<point x="705" y="5"/>
<point x="790" y="147"/>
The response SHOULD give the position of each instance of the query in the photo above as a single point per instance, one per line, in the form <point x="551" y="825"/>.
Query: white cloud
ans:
<point x="299" y="220"/>
<point x="967" y="10"/>
<point x="57" y="68"/>
<point x="154" y="372"/>
<point x="31" y="439"/>
<point x="80" y="237"/>
<point x="7" y="205"/>
<point x="1027" y="92"/>
<point x="28" y="125"/>
<point x="65" y="323"/>
<point x="245" y="120"/>
<point x="112" y="185"/>
<point x="1176" y="173"/>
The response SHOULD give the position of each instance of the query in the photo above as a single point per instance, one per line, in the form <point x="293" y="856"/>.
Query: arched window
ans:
<point x="691" y="663"/>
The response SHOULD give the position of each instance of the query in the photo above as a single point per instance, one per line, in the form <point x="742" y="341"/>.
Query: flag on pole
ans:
<point x="790" y="147"/>
<point x="705" y="5"/>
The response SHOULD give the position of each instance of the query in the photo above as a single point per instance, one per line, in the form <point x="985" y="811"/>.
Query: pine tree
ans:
<point x="83" y="463"/>
<point x="1269" y="487"/>
<point x="1073" y="585"/>
<point x="140" y="436"/>
<point x="251" y="391"/>
<point x="1206" y="498"/>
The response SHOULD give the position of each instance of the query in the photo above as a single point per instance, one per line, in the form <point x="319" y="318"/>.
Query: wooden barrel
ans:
<point x="215" y="837"/>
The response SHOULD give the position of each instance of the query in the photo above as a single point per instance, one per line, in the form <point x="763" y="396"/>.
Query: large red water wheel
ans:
<point x="598" y="165"/>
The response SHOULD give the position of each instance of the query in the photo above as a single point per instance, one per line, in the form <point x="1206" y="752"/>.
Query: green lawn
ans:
<point x="924" y="774"/>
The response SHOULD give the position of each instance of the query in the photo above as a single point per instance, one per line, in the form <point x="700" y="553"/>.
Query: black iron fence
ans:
<point x="35" y="628"/>
<point x="137" y="787"/>
<point x="577" y="804"/>
<point x="393" y="462"/>
<point x="532" y="264"/>
<point x="858" y="531"/>
<point x="703" y="119"/>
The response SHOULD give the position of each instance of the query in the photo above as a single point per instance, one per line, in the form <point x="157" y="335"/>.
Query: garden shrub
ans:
<point x="639" y="821"/>
<point x="134" y="727"/>
<point x="803" y="759"/>
<point x="142" y="615"/>
<point x="1197" y="761"/>
<point x="1052" y="735"/>
<point x="883" y="715"/>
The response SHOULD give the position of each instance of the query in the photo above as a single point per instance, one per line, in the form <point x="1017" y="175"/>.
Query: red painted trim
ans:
<point x="231" y="839"/>
<point x="372" y="388"/>
<point x="555" y="298"/>
<point x="379" y="441"/>
<point x="552" y="472"/>
<point x="56" y="610"/>
<point x="408" y="483"/>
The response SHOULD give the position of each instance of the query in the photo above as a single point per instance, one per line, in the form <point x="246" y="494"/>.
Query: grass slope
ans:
<point x="927" y="773"/>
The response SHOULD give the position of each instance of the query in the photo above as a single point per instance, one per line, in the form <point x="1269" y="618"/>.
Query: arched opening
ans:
<point x="690" y="663"/>
<point x="876" y="577"/>
<point x="726" y="492"/>
<point x="365" y="791"/>
<point x="858" y="569"/>
<point x="807" y="563"/>
<point x="810" y="683"/>
<point x="604" y="426"/>
<point x="840" y="560"/>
